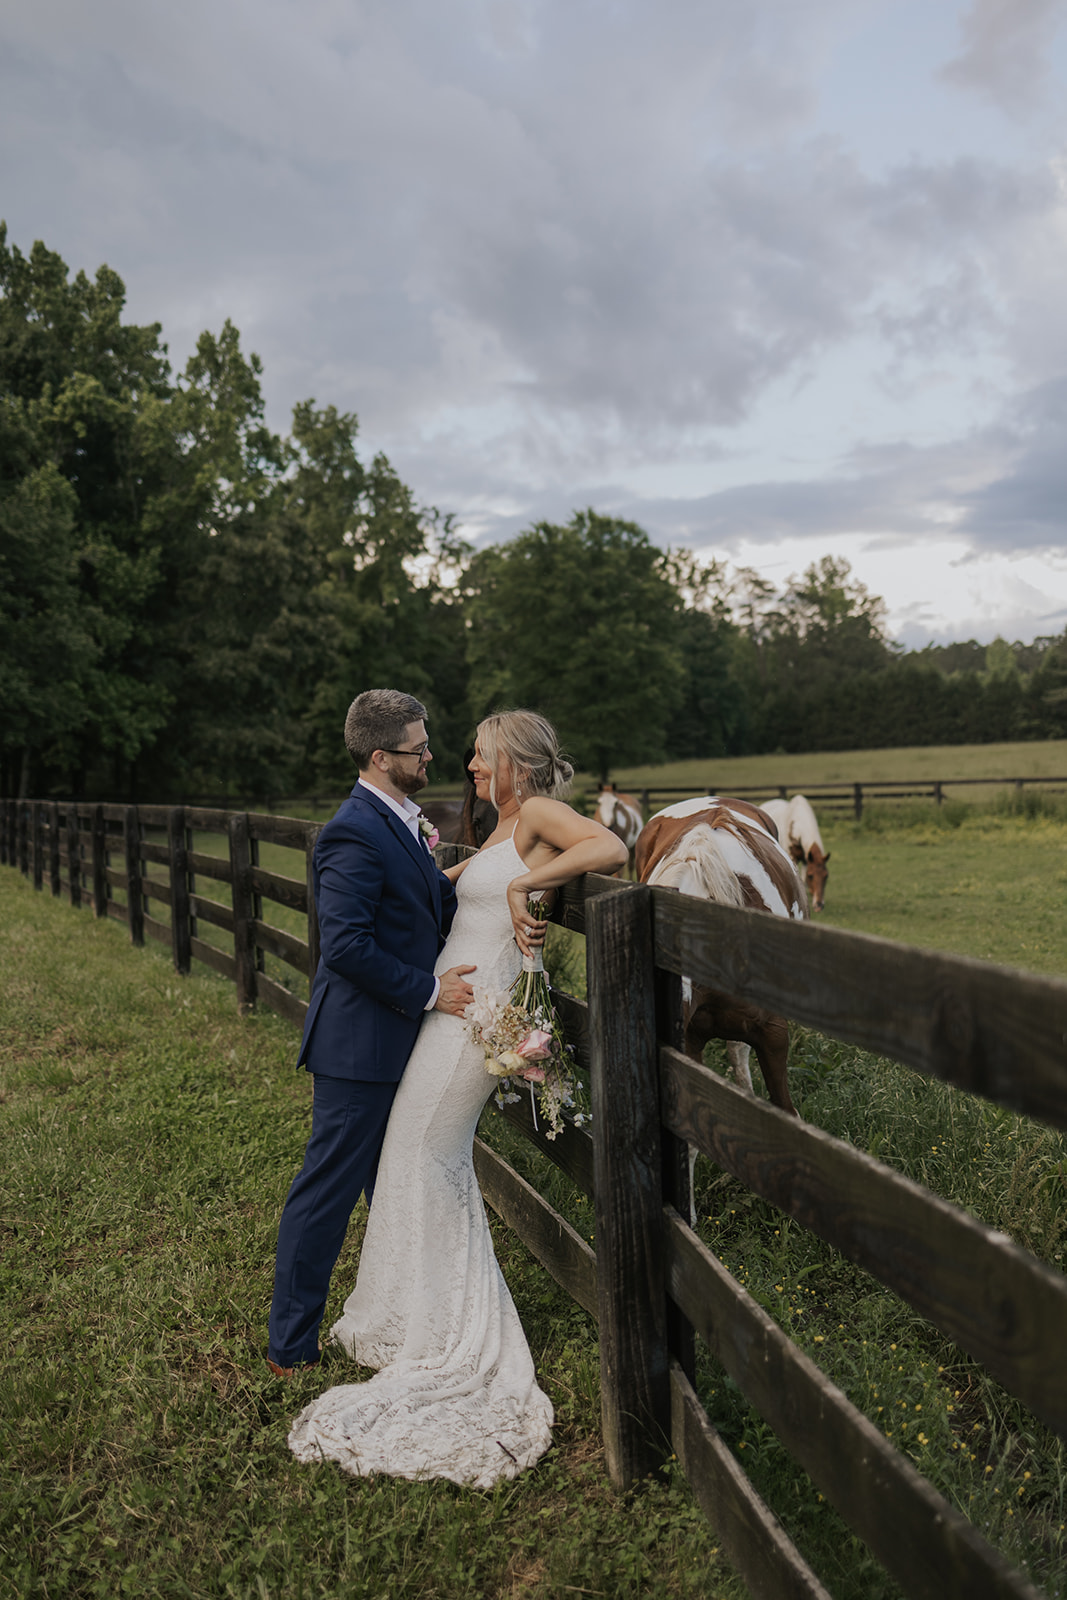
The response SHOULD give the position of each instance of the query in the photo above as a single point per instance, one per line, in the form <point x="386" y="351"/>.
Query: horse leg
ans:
<point x="716" y="1017"/>
<point x="737" y="1055"/>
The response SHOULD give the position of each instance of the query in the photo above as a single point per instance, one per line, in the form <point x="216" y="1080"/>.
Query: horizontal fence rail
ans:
<point x="842" y="797"/>
<point x="651" y="1285"/>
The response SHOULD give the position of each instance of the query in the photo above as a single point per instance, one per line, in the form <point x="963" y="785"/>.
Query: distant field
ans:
<point x="991" y="886"/>
<point x="1037" y="759"/>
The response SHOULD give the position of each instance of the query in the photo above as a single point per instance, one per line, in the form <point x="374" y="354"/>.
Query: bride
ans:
<point x="455" y="1395"/>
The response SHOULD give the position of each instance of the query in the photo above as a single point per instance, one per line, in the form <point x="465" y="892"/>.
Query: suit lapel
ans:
<point x="413" y="846"/>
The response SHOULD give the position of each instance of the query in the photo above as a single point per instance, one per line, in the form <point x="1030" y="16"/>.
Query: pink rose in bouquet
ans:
<point x="537" y="1046"/>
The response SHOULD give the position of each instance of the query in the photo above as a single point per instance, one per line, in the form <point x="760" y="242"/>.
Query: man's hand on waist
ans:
<point x="456" y="993"/>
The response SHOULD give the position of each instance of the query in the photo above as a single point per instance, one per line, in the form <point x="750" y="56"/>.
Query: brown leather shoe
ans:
<point x="287" y="1372"/>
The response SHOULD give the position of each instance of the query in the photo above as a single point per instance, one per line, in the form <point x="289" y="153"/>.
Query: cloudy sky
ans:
<point x="775" y="278"/>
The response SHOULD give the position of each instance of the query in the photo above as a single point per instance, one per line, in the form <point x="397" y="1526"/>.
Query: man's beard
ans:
<point x="406" y="781"/>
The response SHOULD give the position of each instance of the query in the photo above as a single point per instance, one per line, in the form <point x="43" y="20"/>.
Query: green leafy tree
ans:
<point x="73" y="382"/>
<point x="580" y="622"/>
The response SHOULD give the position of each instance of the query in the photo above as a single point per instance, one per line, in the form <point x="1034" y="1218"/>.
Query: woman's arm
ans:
<point x="453" y="873"/>
<point x="561" y="845"/>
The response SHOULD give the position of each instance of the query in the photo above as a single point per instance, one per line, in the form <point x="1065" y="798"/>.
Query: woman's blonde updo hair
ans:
<point x="531" y="753"/>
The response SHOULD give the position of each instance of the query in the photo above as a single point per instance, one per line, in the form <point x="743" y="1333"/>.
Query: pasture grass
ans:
<point x="149" y="1135"/>
<point x="986" y="881"/>
<point x="982" y="1450"/>
<point x="1025" y="759"/>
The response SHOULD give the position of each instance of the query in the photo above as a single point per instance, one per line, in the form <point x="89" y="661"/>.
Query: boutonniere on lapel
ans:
<point x="429" y="832"/>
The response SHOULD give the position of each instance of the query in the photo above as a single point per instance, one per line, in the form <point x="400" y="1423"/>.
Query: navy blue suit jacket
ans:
<point x="384" y="910"/>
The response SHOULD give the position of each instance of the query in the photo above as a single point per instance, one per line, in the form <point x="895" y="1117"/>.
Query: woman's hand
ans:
<point x="530" y="931"/>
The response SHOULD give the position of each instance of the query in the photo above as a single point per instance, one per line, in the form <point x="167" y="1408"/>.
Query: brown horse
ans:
<point x="799" y="832"/>
<point x="621" y="813"/>
<point x="727" y="850"/>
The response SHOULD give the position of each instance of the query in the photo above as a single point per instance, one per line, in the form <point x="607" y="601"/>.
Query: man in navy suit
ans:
<point x="384" y="910"/>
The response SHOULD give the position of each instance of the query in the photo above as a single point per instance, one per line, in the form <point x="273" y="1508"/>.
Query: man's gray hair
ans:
<point x="377" y="720"/>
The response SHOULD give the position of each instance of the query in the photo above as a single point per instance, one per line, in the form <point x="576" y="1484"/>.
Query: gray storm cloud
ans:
<point x="534" y="244"/>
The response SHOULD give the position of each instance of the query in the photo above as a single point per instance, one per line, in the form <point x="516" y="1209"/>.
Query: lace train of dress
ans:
<point x="455" y="1395"/>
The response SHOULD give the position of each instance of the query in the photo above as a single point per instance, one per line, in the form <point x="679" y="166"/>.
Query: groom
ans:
<point x="384" y="910"/>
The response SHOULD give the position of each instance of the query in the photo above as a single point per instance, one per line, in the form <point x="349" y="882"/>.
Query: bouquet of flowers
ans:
<point x="523" y="1043"/>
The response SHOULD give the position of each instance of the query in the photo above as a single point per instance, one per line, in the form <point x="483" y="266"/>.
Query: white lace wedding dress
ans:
<point x="455" y="1395"/>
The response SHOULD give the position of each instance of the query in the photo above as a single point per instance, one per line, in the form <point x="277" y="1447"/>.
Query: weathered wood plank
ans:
<point x="209" y="866"/>
<point x="992" y="1298"/>
<point x="74" y="871"/>
<point x="634" y="1392"/>
<point x="931" y="1549"/>
<point x="99" y="862"/>
<point x="574" y="1015"/>
<point x="221" y="960"/>
<point x="157" y="930"/>
<point x="244" y="951"/>
<point x="149" y="850"/>
<point x="314" y="943"/>
<point x="753" y="1538"/>
<point x="286" y="946"/>
<point x="156" y="889"/>
<point x="987" y="1029"/>
<point x="206" y="819"/>
<point x="281" y="1000"/>
<point x="561" y="1251"/>
<point x="290" y="832"/>
<point x="283" y="891"/>
<point x="112" y="908"/>
<point x="179" y="890"/>
<point x="153" y="816"/>
<point x="115" y="880"/>
<point x="134" y="897"/>
<point x="205" y="910"/>
<point x="571" y="1150"/>
<point x="37" y="833"/>
<point x="54" y="846"/>
<point x="570" y="907"/>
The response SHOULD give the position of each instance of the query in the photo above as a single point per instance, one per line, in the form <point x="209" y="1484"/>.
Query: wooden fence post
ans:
<point x="313" y="917"/>
<point x="131" y="828"/>
<point x="627" y="1164"/>
<point x="99" y="862"/>
<point x="179" y="890"/>
<point x="857" y="800"/>
<point x="244" y="952"/>
<point x="38" y="845"/>
<point x="74" y="854"/>
<point x="53" y="849"/>
<point x="677" y="1188"/>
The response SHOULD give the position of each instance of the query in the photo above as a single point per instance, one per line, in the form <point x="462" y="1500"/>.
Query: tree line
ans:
<point x="189" y="601"/>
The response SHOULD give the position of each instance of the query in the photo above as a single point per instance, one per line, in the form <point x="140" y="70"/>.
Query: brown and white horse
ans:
<point x="621" y="813"/>
<point x="726" y="850"/>
<point x="799" y="833"/>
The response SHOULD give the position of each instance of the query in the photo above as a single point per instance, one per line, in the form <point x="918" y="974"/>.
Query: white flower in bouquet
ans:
<point x="523" y="1042"/>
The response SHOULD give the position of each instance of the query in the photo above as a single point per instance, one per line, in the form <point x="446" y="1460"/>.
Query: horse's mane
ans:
<point x="695" y="866"/>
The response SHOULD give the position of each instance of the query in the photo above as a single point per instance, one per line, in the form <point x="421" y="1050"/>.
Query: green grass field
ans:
<point x="150" y="1134"/>
<point x="967" y="879"/>
<point x="1039" y="758"/>
<point x="149" y="1137"/>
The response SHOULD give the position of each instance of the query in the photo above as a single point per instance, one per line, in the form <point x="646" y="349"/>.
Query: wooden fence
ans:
<point x="852" y="797"/>
<point x="651" y="1284"/>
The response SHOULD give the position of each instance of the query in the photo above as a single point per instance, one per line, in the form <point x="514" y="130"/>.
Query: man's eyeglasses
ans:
<point x="419" y="750"/>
